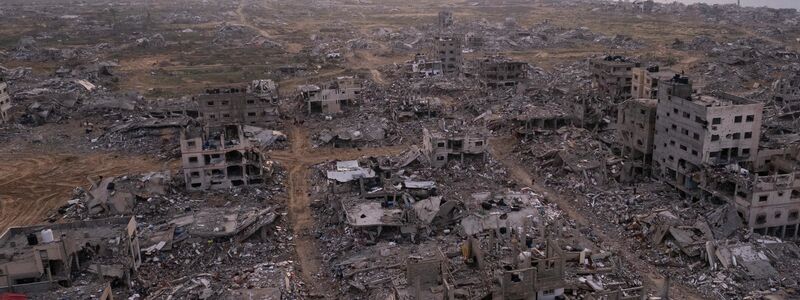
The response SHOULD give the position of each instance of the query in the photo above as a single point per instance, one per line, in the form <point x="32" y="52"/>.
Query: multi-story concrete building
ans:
<point x="332" y="97"/>
<point x="257" y="105"/>
<point x="445" y="19"/>
<point x="497" y="71"/>
<point x="447" y="49"/>
<point x="636" y="122"/>
<point x="5" y="102"/>
<point x="218" y="157"/>
<point x="645" y="81"/>
<point x="38" y="258"/>
<point x="768" y="198"/>
<point x="421" y="66"/>
<point x="612" y="76"/>
<point x="694" y="131"/>
<point x="439" y="144"/>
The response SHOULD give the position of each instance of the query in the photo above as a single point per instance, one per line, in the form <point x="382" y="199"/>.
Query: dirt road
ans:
<point x="32" y="185"/>
<point x="298" y="161"/>
<point x="501" y="149"/>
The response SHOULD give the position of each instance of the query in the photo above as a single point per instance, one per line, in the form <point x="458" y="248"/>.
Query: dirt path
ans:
<point x="501" y="149"/>
<point x="32" y="185"/>
<point x="298" y="160"/>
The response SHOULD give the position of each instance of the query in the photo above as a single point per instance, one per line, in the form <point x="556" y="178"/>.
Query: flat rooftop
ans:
<point x="721" y="100"/>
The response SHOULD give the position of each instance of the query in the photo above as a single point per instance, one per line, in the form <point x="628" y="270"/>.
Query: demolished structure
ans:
<point x="439" y="144"/>
<point x="38" y="258"/>
<point x="219" y="157"/>
<point x="332" y="97"/>
<point x="612" y="77"/>
<point x="498" y="71"/>
<point x="257" y="105"/>
<point x="445" y="19"/>
<point x="645" y="81"/>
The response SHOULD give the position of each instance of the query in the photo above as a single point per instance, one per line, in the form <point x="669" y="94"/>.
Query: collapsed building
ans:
<point x="257" y="105"/>
<point x="447" y="48"/>
<point x="498" y="71"/>
<point x="220" y="157"/>
<point x="636" y="122"/>
<point x="645" y="81"/>
<point x="5" y="102"/>
<point x="441" y="143"/>
<point x="542" y="119"/>
<point x="694" y="131"/>
<point x="768" y="198"/>
<point x="422" y="67"/>
<point x="612" y="77"/>
<point x="332" y="97"/>
<point x="40" y="257"/>
<point x="786" y="89"/>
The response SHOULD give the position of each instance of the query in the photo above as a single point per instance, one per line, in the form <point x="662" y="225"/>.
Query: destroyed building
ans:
<point x="219" y="157"/>
<point x="332" y="97"/>
<point x="38" y="258"/>
<point x="645" y="81"/>
<point x="767" y="196"/>
<point x="257" y="105"/>
<point x="447" y="48"/>
<point x="612" y="77"/>
<point x="787" y="89"/>
<point x="498" y="71"/>
<point x="542" y="119"/>
<point x="442" y="142"/>
<point x="423" y="67"/>
<point x="445" y="19"/>
<point x="5" y="102"/>
<point x="636" y="122"/>
<point x="694" y="131"/>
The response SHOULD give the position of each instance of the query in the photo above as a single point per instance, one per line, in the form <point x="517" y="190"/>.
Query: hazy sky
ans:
<point x="769" y="3"/>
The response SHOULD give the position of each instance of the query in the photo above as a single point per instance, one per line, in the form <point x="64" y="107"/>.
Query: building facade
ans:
<point x="447" y="49"/>
<point x="612" y="76"/>
<point x="257" y="105"/>
<point x="219" y="157"/>
<point x="694" y="131"/>
<point x="496" y="72"/>
<point x="645" y="81"/>
<point x="636" y="122"/>
<point x="332" y="97"/>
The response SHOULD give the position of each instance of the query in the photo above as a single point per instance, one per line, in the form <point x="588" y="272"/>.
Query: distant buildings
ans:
<point x="445" y="19"/>
<point x="612" y="76"/>
<point x="645" y="81"/>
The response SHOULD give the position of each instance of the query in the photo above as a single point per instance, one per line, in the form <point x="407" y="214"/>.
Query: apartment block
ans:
<point x="612" y="76"/>
<point x="256" y="105"/>
<point x="693" y="131"/>
<point x="645" y="81"/>
<point x="219" y="157"/>
<point x="332" y="97"/>
<point x="447" y="49"/>
<point x="40" y="257"/>
<point x="497" y="71"/>
<point x="5" y="102"/>
<point x="636" y="122"/>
